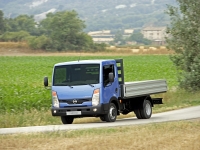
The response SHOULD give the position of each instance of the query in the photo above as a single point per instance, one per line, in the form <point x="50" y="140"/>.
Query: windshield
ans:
<point x="70" y="75"/>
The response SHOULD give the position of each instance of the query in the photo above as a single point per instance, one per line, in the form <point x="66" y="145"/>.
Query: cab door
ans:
<point x="110" y="90"/>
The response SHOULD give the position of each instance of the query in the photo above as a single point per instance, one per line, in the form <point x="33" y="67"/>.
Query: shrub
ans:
<point x="14" y="36"/>
<point x="41" y="42"/>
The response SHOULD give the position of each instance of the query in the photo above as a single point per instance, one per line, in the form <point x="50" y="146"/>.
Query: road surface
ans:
<point x="182" y="114"/>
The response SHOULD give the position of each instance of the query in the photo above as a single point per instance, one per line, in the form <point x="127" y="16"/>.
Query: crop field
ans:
<point x="21" y="78"/>
<point x="23" y="97"/>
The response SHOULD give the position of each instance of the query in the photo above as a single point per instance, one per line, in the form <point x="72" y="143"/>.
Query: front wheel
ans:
<point x="111" y="116"/>
<point x="67" y="119"/>
<point x="102" y="118"/>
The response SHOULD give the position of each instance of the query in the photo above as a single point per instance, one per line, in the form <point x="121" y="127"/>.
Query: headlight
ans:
<point x="55" y="99"/>
<point x="95" y="97"/>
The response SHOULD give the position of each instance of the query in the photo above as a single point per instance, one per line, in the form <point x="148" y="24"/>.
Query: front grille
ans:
<point x="64" y="111"/>
<point x="77" y="101"/>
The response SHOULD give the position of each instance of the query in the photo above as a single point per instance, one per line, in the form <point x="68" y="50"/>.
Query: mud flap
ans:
<point x="157" y="100"/>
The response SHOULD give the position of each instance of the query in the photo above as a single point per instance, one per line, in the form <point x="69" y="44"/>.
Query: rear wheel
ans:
<point x="144" y="110"/>
<point x="111" y="116"/>
<point x="67" y="119"/>
<point x="137" y="113"/>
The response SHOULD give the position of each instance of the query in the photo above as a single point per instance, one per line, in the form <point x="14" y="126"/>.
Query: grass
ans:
<point x="21" y="78"/>
<point x="172" y="100"/>
<point x="176" y="100"/>
<point x="184" y="135"/>
<point x="25" y="102"/>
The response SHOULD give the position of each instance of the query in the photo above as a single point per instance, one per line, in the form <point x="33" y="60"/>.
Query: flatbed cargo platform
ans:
<point x="140" y="88"/>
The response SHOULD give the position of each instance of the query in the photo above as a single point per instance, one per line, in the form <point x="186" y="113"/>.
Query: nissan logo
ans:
<point x="75" y="101"/>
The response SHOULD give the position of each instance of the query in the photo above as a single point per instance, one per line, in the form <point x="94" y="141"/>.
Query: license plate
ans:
<point x="73" y="113"/>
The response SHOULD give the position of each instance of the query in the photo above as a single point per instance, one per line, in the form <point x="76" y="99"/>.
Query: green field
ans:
<point x="24" y="101"/>
<point x="21" y="78"/>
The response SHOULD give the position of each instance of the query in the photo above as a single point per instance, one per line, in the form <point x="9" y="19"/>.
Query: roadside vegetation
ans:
<point x="184" y="40"/>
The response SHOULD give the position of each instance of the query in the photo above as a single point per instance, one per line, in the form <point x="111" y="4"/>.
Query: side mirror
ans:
<point x="46" y="82"/>
<point x="111" y="77"/>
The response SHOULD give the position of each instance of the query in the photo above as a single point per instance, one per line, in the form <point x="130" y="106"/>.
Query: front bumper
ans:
<point x="85" y="111"/>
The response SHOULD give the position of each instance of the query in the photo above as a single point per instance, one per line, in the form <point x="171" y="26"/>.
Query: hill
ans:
<point x="98" y="14"/>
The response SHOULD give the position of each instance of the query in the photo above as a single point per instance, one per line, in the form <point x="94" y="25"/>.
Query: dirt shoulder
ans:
<point x="22" y="49"/>
<point x="28" y="52"/>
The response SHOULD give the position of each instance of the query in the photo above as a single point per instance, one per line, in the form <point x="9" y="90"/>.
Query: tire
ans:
<point x="67" y="119"/>
<point x="111" y="116"/>
<point x="137" y="113"/>
<point x="144" y="110"/>
<point x="102" y="118"/>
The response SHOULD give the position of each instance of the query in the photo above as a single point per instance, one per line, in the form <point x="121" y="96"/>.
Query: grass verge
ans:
<point x="172" y="100"/>
<point x="157" y="136"/>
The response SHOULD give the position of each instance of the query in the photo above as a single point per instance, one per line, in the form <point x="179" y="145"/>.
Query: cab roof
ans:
<point x="84" y="62"/>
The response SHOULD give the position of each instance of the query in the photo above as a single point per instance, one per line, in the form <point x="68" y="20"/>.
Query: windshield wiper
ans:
<point x="87" y="84"/>
<point x="70" y="86"/>
<point x="91" y="85"/>
<point x="64" y="84"/>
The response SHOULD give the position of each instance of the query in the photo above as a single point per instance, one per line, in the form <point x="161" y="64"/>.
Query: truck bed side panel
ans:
<point x="140" y="88"/>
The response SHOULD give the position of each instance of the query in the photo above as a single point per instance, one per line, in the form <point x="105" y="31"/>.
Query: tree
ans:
<point x="138" y="37"/>
<point x="184" y="35"/>
<point x="14" y="36"/>
<point x="66" y="31"/>
<point x="119" y="38"/>
<point x="2" y="23"/>
<point x="22" y="22"/>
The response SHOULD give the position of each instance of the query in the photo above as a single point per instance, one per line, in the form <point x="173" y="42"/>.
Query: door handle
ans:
<point x="116" y="90"/>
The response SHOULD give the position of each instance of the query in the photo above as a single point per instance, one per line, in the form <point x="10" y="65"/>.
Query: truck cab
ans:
<point x="91" y="88"/>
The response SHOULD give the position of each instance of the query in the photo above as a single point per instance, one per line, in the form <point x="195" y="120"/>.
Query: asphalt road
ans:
<point x="182" y="114"/>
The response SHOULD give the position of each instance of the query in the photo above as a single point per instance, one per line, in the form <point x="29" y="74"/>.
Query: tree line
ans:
<point x="59" y="31"/>
<point x="98" y="15"/>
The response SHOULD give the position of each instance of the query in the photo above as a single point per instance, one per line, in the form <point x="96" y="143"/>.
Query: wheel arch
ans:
<point x="148" y="97"/>
<point x="115" y="101"/>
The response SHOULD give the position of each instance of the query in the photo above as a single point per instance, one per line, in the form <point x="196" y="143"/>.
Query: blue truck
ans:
<point x="96" y="88"/>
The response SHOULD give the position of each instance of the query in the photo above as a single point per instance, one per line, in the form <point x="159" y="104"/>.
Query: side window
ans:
<point x="59" y="75"/>
<point x="106" y="70"/>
